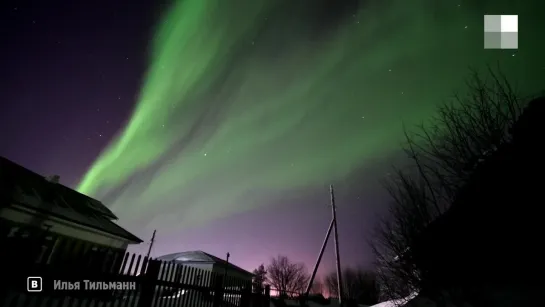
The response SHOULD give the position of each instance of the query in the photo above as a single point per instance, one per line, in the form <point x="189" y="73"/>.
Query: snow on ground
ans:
<point x="396" y="303"/>
<point x="332" y="303"/>
<point x="335" y="303"/>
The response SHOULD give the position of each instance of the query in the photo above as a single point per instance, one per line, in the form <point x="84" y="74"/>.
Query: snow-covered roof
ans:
<point x="38" y="193"/>
<point x="200" y="257"/>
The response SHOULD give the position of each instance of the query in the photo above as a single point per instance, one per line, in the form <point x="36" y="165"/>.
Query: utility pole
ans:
<point x="151" y="244"/>
<point x="145" y="269"/>
<point x="226" y="264"/>
<point x="307" y="291"/>
<point x="225" y="269"/>
<point x="332" y="226"/>
<point x="336" y="240"/>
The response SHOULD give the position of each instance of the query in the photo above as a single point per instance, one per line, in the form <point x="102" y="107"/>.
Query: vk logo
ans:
<point x="34" y="284"/>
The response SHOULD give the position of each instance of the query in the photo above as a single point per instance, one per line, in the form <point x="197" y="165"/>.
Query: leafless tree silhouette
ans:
<point x="360" y="286"/>
<point x="317" y="287"/>
<point x="260" y="276"/>
<point x="288" y="278"/>
<point x="444" y="152"/>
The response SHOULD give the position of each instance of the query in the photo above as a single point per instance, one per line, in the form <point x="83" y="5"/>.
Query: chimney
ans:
<point x="53" y="179"/>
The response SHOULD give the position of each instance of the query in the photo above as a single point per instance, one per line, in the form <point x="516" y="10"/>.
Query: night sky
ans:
<point x="222" y="123"/>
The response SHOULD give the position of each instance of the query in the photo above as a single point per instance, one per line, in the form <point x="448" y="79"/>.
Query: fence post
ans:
<point x="267" y="295"/>
<point x="218" y="291"/>
<point x="302" y="299"/>
<point x="246" y="295"/>
<point x="150" y="277"/>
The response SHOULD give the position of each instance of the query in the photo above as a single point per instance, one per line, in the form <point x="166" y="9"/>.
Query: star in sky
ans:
<point x="75" y="85"/>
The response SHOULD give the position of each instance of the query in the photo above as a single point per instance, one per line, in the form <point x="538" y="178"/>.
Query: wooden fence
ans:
<point x="79" y="278"/>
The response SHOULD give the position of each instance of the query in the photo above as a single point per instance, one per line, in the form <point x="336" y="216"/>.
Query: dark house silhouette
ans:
<point x="42" y="220"/>
<point x="487" y="244"/>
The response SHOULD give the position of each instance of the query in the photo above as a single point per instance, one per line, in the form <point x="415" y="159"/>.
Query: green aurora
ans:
<point x="250" y="99"/>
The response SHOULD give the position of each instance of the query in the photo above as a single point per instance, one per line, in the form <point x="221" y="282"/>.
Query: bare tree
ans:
<point x="317" y="287"/>
<point x="260" y="276"/>
<point x="330" y="283"/>
<point x="288" y="278"/>
<point x="444" y="152"/>
<point x="359" y="285"/>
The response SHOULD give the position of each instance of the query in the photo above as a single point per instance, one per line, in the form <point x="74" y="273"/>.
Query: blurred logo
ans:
<point x="501" y="31"/>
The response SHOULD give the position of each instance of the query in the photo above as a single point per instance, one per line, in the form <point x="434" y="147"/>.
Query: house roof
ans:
<point x="200" y="257"/>
<point x="57" y="200"/>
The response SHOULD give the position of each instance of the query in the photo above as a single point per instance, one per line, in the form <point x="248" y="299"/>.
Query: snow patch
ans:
<point x="396" y="303"/>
